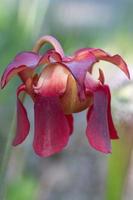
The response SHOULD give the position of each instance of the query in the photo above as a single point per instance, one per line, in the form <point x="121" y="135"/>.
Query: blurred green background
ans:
<point x="79" y="172"/>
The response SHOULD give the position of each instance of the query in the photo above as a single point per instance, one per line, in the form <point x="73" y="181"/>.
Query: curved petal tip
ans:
<point x="22" y="61"/>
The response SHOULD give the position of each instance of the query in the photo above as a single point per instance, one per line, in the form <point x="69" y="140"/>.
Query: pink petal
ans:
<point x="20" y="63"/>
<point x="23" y="124"/>
<point x="51" y="126"/>
<point x="97" y="121"/>
<point x="70" y="122"/>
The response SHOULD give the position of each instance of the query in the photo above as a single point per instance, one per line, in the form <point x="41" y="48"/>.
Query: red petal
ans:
<point x="23" y="124"/>
<point x="97" y="122"/>
<point x="70" y="121"/>
<point x="20" y="62"/>
<point x="51" y="126"/>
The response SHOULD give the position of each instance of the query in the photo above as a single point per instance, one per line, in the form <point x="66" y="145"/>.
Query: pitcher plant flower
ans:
<point x="64" y="86"/>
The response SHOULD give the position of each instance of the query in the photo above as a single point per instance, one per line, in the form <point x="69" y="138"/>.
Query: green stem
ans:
<point x="6" y="156"/>
<point x="118" y="164"/>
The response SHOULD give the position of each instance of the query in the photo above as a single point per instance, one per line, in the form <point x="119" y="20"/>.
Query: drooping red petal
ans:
<point x="20" y="62"/>
<point x="98" y="131"/>
<point x="51" y="126"/>
<point x="112" y="130"/>
<point x="79" y="65"/>
<point x="92" y="86"/>
<point x="70" y="122"/>
<point x="22" y="124"/>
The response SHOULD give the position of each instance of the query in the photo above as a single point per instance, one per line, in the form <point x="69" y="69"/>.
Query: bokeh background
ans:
<point x="79" y="172"/>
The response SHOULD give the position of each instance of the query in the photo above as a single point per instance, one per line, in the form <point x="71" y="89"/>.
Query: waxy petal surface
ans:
<point x="21" y="62"/>
<point x="51" y="126"/>
<point x="99" y="122"/>
<point x="22" y="124"/>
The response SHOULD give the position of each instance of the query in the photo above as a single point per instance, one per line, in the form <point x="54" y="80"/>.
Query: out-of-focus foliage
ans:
<point x="25" y="188"/>
<point x="79" y="172"/>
